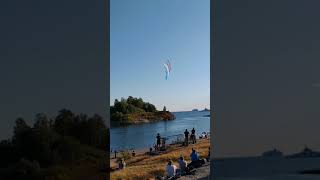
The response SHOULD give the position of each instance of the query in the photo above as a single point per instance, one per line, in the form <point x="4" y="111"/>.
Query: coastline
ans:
<point x="141" y="136"/>
<point x="142" y="118"/>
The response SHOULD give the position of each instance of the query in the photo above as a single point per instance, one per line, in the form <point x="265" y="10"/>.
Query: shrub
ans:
<point x="125" y="155"/>
<point x="27" y="169"/>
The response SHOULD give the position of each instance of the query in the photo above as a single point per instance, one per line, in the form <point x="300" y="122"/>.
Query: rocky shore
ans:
<point x="144" y="117"/>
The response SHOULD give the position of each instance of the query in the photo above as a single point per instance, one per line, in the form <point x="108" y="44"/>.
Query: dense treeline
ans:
<point x="36" y="152"/>
<point x="132" y="105"/>
<point x="135" y="110"/>
<point x="121" y="109"/>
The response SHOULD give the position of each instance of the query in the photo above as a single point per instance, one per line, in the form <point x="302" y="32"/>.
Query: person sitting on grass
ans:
<point x="122" y="164"/>
<point x="194" y="155"/>
<point x="195" y="160"/>
<point x="171" y="169"/>
<point x="182" y="165"/>
<point x="133" y="153"/>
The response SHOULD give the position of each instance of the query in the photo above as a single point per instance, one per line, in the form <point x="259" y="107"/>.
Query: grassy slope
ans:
<point x="147" y="167"/>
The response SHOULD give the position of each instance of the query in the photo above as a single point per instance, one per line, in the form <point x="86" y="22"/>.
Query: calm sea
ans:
<point x="265" y="168"/>
<point x="144" y="135"/>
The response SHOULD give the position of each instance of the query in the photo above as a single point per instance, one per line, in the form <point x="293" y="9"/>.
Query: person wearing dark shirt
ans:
<point x="186" y="137"/>
<point x="194" y="156"/>
<point x="193" y="135"/>
<point x="195" y="160"/>
<point x="158" y="140"/>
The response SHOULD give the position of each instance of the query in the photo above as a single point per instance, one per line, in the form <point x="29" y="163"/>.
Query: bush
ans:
<point x="69" y="149"/>
<point x="57" y="173"/>
<point x="125" y="155"/>
<point x="117" y="116"/>
<point x="27" y="169"/>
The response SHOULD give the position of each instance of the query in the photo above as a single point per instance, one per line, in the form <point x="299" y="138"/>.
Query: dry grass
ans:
<point x="147" y="167"/>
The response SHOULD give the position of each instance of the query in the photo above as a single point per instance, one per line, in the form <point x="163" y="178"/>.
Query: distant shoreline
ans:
<point x="145" y="117"/>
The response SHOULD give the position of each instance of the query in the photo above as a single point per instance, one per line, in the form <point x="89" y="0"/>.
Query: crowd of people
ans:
<point x="184" y="167"/>
<point x="160" y="142"/>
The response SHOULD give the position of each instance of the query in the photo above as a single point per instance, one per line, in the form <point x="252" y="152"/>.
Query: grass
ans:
<point x="147" y="167"/>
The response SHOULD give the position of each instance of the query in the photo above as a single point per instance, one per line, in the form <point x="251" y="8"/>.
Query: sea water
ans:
<point x="259" y="168"/>
<point x="144" y="135"/>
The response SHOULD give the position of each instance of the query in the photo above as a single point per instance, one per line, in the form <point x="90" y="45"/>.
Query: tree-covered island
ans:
<point x="135" y="111"/>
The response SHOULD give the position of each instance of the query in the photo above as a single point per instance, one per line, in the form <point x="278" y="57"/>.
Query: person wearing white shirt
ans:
<point x="171" y="169"/>
<point x="122" y="164"/>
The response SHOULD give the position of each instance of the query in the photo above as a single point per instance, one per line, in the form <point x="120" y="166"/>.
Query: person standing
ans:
<point x="186" y="137"/>
<point x="158" y="140"/>
<point x="193" y="135"/>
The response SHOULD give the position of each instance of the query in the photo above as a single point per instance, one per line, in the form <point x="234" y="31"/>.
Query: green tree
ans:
<point x="41" y="121"/>
<point x="64" y="121"/>
<point x="20" y="128"/>
<point x="21" y="136"/>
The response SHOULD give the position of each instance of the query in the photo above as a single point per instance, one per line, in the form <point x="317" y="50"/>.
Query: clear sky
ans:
<point x="144" y="34"/>
<point x="51" y="57"/>
<point x="267" y="71"/>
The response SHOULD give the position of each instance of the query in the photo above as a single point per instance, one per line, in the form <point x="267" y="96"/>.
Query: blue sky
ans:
<point x="144" y="33"/>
